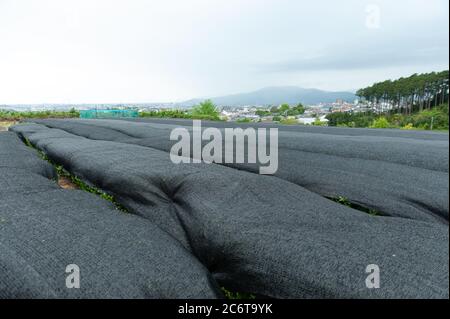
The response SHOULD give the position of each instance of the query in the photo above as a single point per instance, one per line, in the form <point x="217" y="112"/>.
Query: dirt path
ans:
<point x="66" y="183"/>
<point x="5" y="124"/>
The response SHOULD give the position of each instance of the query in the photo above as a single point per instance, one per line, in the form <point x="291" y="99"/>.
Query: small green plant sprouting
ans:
<point x="236" y="295"/>
<point x="344" y="201"/>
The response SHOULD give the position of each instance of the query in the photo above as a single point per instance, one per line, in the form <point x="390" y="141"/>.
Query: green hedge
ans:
<point x="17" y="116"/>
<point x="179" y="114"/>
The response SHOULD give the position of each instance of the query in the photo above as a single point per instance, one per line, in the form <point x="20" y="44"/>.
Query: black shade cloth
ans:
<point x="255" y="233"/>
<point x="44" y="228"/>
<point x="396" y="173"/>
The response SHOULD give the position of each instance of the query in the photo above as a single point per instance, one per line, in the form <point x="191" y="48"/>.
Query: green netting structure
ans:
<point x="94" y="114"/>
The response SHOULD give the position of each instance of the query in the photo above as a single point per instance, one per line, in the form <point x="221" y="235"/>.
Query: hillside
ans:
<point x="276" y="96"/>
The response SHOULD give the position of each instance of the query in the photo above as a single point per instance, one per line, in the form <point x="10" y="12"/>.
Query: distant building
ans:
<point x="311" y="120"/>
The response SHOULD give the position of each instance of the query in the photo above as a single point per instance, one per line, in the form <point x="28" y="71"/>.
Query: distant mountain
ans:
<point x="276" y="96"/>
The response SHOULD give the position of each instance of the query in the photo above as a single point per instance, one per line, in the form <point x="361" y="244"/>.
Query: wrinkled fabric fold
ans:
<point x="43" y="229"/>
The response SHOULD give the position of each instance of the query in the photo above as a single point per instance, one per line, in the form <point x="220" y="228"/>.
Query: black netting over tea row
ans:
<point x="275" y="236"/>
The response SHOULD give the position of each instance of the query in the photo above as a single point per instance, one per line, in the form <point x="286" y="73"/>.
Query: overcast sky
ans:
<point x="81" y="51"/>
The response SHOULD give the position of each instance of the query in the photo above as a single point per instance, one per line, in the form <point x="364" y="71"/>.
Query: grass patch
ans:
<point x="243" y="120"/>
<point x="236" y="295"/>
<point x="344" y="201"/>
<point x="289" y="122"/>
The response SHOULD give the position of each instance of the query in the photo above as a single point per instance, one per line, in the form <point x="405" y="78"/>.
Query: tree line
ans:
<point x="9" y="115"/>
<point x="408" y="95"/>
